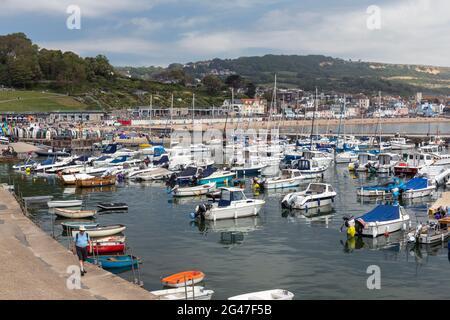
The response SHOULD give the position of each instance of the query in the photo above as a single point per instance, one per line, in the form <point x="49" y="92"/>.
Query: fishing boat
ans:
<point x="233" y="204"/>
<point x="274" y="294"/>
<point x="383" y="219"/>
<point x="386" y="162"/>
<point x="113" y="206"/>
<point x="64" y="203"/>
<point x="287" y="178"/>
<point x="76" y="225"/>
<point x="106" y="247"/>
<point x="412" y="163"/>
<point x="400" y="144"/>
<point x="188" y="293"/>
<point x="219" y="177"/>
<point x="115" y="261"/>
<point x="96" y="182"/>
<point x="386" y="189"/>
<point x="315" y="196"/>
<point x="185" y="278"/>
<point x="75" y="214"/>
<point x="103" y="231"/>
<point x="187" y="191"/>
<point x="429" y="233"/>
<point x="416" y="188"/>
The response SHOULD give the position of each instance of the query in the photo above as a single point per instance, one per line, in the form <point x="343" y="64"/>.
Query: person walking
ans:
<point x="81" y="243"/>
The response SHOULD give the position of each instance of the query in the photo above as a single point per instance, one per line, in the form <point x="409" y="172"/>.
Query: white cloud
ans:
<point x="131" y="46"/>
<point x="89" y="8"/>
<point x="413" y="31"/>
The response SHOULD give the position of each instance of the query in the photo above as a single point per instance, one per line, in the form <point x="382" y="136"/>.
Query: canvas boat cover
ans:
<point x="416" y="184"/>
<point x="382" y="213"/>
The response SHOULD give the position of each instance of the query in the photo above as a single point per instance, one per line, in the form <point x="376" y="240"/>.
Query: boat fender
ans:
<point x="351" y="231"/>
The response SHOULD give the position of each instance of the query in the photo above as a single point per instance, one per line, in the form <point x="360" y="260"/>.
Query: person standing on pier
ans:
<point x="81" y="243"/>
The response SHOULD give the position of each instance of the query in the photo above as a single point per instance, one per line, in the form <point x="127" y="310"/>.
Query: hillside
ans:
<point x="24" y="100"/>
<point x="327" y="73"/>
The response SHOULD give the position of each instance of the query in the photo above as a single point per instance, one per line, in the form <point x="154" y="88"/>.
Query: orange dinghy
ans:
<point x="185" y="278"/>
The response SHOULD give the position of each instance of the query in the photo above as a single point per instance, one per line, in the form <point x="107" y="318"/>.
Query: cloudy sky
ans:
<point x="159" y="32"/>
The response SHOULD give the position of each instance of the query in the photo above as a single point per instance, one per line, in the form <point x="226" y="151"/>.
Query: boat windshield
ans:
<point x="316" y="188"/>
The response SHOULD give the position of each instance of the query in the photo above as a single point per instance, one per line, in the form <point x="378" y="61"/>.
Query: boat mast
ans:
<point x="171" y="114"/>
<point x="151" y="107"/>
<point x="340" y="123"/>
<point x="379" y="117"/>
<point x="312" y="124"/>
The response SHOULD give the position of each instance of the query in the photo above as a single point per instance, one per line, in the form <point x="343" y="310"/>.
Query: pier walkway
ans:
<point x="34" y="265"/>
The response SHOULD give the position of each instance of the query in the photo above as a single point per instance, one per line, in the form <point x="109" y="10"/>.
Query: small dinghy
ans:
<point x="96" y="182"/>
<point x="185" y="278"/>
<point x="275" y="294"/>
<point x="178" y="191"/>
<point x="107" y="247"/>
<point x="199" y="293"/>
<point x="115" y="262"/>
<point x="113" y="206"/>
<point x="64" y="203"/>
<point x="116" y="238"/>
<point x="75" y="214"/>
<point x="103" y="231"/>
<point x="429" y="233"/>
<point x="76" y="225"/>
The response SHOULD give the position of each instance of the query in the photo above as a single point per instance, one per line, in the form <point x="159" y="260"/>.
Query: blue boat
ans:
<point x="218" y="176"/>
<point x="115" y="262"/>
<point x="390" y="188"/>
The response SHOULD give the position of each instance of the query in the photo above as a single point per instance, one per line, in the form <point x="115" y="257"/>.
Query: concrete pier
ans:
<point x="34" y="265"/>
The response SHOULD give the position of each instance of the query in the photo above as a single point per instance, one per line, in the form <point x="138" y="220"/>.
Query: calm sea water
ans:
<point x="308" y="256"/>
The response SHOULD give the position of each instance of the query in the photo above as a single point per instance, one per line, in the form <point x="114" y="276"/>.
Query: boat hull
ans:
<point x="234" y="211"/>
<point x="194" y="191"/>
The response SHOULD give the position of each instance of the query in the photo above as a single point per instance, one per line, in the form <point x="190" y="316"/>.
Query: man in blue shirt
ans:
<point x="81" y="243"/>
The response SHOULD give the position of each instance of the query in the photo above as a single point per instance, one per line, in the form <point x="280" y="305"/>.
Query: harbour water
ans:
<point x="308" y="256"/>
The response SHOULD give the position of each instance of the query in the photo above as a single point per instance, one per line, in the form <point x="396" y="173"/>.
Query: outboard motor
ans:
<point x="201" y="210"/>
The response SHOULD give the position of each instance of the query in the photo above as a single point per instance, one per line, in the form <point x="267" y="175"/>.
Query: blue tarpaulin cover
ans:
<point x="382" y="213"/>
<point x="416" y="184"/>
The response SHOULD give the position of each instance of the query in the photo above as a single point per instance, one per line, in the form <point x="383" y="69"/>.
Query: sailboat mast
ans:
<point x="313" y="118"/>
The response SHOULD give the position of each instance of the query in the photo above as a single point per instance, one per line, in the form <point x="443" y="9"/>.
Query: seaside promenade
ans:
<point x="34" y="265"/>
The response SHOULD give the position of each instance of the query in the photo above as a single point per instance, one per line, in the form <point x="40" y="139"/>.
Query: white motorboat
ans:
<point x="197" y="293"/>
<point x="152" y="175"/>
<point x="64" y="203"/>
<point x="178" y="191"/>
<point x="75" y="214"/>
<point x="309" y="168"/>
<point x="412" y="163"/>
<point x="400" y="144"/>
<point x="316" y="195"/>
<point x="346" y="157"/>
<point x="275" y="294"/>
<point x="383" y="219"/>
<point x="233" y="204"/>
<point x="365" y="160"/>
<point x="287" y="178"/>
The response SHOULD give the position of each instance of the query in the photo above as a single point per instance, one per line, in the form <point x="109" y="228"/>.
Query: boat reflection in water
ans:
<point x="421" y="252"/>
<point x="187" y="200"/>
<point x="395" y="243"/>
<point x="320" y="216"/>
<point x="232" y="231"/>
<point x="89" y="190"/>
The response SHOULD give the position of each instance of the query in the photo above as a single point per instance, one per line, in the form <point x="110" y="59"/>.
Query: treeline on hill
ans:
<point x="24" y="65"/>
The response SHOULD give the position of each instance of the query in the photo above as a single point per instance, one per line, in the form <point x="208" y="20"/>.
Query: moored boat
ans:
<point x="316" y="195"/>
<point x="185" y="278"/>
<point x="115" y="261"/>
<point x="416" y="188"/>
<point x="233" y="204"/>
<point x="187" y="191"/>
<point x="103" y="231"/>
<point x="75" y="214"/>
<point x="64" y="203"/>
<point x="287" y="178"/>
<point x="96" y="182"/>
<point x="188" y="293"/>
<point x="274" y="294"/>
<point x="112" y="206"/>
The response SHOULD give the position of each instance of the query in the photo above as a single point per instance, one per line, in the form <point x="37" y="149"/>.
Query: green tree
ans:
<point x="212" y="83"/>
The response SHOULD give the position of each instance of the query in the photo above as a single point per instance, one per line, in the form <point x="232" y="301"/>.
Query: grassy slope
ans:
<point x="23" y="101"/>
